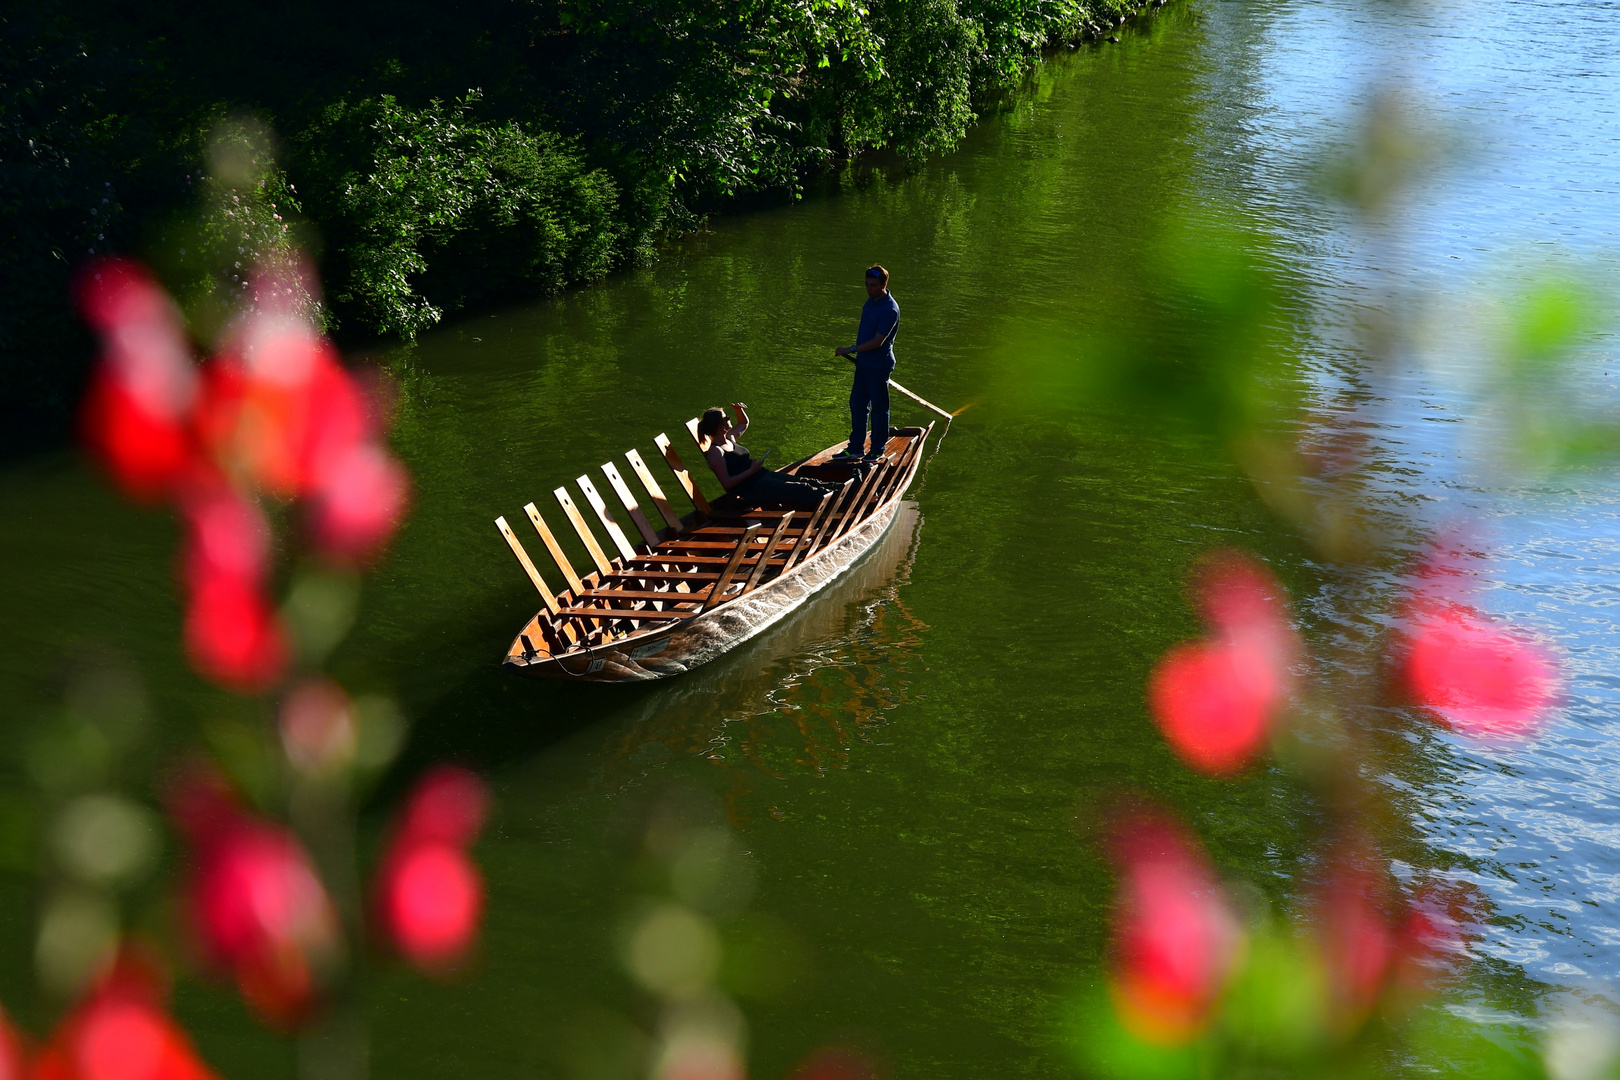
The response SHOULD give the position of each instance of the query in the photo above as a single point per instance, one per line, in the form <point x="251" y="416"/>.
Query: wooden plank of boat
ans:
<point x="631" y="615"/>
<point x="557" y="555"/>
<point x="527" y="564"/>
<point x="678" y="467"/>
<point x="631" y="506"/>
<point x="779" y="574"/>
<point x="685" y="560"/>
<point x="645" y="594"/>
<point x="656" y="493"/>
<point x="847" y="517"/>
<point x="808" y="536"/>
<point x="705" y="544"/>
<point x="904" y="463"/>
<point x="586" y="537"/>
<point x="764" y="561"/>
<point x="718" y="592"/>
<point x="600" y="506"/>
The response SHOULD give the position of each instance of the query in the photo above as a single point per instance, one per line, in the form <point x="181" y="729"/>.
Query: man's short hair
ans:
<point x="878" y="272"/>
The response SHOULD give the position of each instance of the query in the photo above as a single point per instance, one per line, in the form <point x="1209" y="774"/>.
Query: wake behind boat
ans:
<point x="703" y="583"/>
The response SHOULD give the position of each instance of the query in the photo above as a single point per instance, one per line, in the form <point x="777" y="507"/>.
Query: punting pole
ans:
<point x="919" y="399"/>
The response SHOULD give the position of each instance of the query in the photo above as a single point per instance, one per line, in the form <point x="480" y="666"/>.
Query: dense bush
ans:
<point x="429" y="209"/>
<point x="446" y="157"/>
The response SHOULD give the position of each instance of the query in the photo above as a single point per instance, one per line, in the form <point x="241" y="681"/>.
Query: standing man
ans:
<point x="873" y="357"/>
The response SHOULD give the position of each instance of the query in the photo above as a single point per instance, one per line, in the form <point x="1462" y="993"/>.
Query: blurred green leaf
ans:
<point x="1103" y="1047"/>
<point x="1547" y="322"/>
<point x="1276" y="1005"/>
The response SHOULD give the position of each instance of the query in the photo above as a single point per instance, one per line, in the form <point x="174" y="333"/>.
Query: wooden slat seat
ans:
<point x="688" y="560"/>
<point x="698" y="545"/>
<point x="643" y="594"/>
<point x="664" y="575"/>
<point x="616" y="614"/>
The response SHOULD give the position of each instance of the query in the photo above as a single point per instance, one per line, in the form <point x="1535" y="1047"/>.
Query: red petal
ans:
<point x="1174" y="932"/>
<point x="448" y="806"/>
<point x="1213" y="701"/>
<point x="432" y="901"/>
<point x="146" y="452"/>
<point x="360" y="502"/>
<point x="232" y="636"/>
<point x="1475" y="676"/>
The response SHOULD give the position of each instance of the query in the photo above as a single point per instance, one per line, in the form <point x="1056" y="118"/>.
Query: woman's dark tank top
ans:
<point x="736" y="461"/>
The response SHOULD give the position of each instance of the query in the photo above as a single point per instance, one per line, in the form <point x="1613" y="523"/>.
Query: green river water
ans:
<point x="902" y="765"/>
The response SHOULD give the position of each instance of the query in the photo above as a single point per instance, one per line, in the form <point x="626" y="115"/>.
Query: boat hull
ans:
<point x="690" y="644"/>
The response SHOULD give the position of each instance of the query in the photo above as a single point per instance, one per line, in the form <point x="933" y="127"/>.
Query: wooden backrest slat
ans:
<point x="527" y="564"/>
<point x="907" y="463"/>
<point x="808" y="537"/>
<point x="598" y="556"/>
<point x="859" y="502"/>
<point x="770" y="550"/>
<point x="903" y="468"/>
<point x="885" y="471"/>
<point x="719" y="591"/>
<point x="555" y="548"/>
<point x="631" y="507"/>
<point x="678" y="467"/>
<point x="830" y="518"/>
<point x="605" y="516"/>
<point x="659" y="500"/>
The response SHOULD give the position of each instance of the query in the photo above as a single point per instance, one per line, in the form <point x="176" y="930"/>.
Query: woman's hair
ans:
<point x="709" y="425"/>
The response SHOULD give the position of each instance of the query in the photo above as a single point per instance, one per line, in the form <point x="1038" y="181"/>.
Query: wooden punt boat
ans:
<point x="703" y="583"/>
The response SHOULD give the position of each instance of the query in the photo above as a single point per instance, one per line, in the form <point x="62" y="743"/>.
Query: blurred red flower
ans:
<point x="1354" y="934"/>
<point x="14" y="1050"/>
<point x="1215" y="700"/>
<point x="277" y="412"/>
<point x="233" y="637"/>
<point x="256" y="905"/>
<point x="429" y="896"/>
<point x="227" y="538"/>
<point x="1175" y="934"/>
<point x="836" y="1064"/>
<point x="121" y="1031"/>
<point x="448" y="806"/>
<point x="280" y="406"/>
<point x="432" y="899"/>
<point x="1429" y="941"/>
<point x="359" y="501"/>
<point x="232" y="634"/>
<point x="1476" y="677"/>
<point x="135" y="417"/>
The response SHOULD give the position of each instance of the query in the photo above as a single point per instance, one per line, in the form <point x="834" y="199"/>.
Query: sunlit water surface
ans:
<point x="905" y="762"/>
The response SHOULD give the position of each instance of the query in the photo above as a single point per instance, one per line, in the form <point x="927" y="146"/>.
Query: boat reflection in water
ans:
<point x="799" y="695"/>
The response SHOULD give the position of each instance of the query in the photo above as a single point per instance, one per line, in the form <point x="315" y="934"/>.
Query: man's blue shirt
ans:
<point x="879" y="316"/>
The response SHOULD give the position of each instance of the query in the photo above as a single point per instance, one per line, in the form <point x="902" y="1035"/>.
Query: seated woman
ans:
<point x="750" y="481"/>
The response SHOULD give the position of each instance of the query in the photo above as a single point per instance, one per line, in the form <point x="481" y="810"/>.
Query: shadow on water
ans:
<point x="493" y="718"/>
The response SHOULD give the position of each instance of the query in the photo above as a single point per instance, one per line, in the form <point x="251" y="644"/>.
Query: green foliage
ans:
<point x="58" y="202"/>
<point x="430" y="208"/>
<point x="924" y="104"/>
<point x="243" y="212"/>
<point x="703" y="94"/>
<point x="599" y="128"/>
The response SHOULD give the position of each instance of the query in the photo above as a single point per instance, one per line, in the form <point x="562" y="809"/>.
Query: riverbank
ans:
<point x="439" y="165"/>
